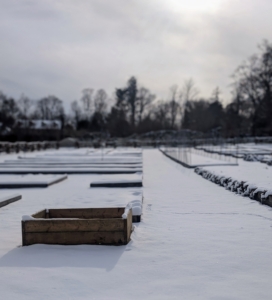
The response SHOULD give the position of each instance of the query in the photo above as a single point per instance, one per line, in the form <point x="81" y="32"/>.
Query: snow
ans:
<point x="127" y="209"/>
<point x="7" y="197"/>
<point x="28" y="179"/>
<point x="136" y="203"/>
<point x="93" y="158"/>
<point x="268" y="193"/>
<point x="133" y="178"/>
<point x="195" y="241"/>
<point x="72" y="162"/>
<point x="73" y="170"/>
<point x="28" y="218"/>
<point x="68" y="165"/>
<point x="136" y="210"/>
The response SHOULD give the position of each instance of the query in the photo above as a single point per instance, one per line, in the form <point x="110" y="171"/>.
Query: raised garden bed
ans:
<point x="117" y="184"/>
<point x="96" y="226"/>
<point x="9" y="199"/>
<point x="68" y="171"/>
<point x="31" y="182"/>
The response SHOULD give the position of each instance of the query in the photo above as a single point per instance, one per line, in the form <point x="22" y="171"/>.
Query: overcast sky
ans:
<point x="61" y="47"/>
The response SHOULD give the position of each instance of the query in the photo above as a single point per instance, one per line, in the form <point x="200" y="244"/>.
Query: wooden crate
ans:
<point x="96" y="226"/>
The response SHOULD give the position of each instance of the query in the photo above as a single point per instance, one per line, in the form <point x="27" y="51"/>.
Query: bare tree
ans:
<point x="161" y="113"/>
<point x="50" y="108"/>
<point x="126" y="99"/>
<point x="174" y="105"/>
<point x="87" y="101"/>
<point x="100" y="101"/>
<point x="144" y="99"/>
<point x="131" y="95"/>
<point x="188" y="93"/>
<point x="76" y="112"/>
<point x="254" y="81"/>
<point x="216" y="94"/>
<point x="24" y="104"/>
<point x="8" y="110"/>
<point x="189" y="90"/>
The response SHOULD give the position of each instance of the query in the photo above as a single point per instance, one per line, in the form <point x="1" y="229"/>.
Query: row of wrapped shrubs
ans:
<point x="242" y="188"/>
<point x="266" y="159"/>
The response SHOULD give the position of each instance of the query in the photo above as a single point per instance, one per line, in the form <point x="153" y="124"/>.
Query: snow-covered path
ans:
<point x="196" y="241"/>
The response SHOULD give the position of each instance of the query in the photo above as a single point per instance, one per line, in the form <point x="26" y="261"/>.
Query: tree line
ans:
<point x="134" y="109"/>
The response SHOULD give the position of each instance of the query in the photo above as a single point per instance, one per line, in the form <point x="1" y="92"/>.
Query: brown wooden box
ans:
<point x="96" y="226"/>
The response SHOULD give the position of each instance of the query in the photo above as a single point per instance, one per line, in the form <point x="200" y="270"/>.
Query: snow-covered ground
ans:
<point x="73" y="162"/>
<point x="196" y="241"/>
<point x="29" y="179"/>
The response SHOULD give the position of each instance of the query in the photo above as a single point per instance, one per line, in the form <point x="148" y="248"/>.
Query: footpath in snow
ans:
<point x="196" y="241"/>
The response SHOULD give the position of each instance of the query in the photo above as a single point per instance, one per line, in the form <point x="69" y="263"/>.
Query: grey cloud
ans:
<point x="62" y="47"/>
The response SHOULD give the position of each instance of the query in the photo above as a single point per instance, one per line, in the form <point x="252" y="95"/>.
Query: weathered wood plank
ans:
<point x="83" y="227"/>
<point x="23" y="233"/>
<point x="75" y="238"/>
<point x="9" y="199"/>
<point x="117" y="184"/>
<point x="23" y="185"/>
<point x="87" y="213"/>
<point x="57" y="180"/>
<point x="128" y="225"/>
<point x="98" y="225"/>
<point x="68" y="171"/>
<point x="40" y="214"/>
<point x="20" y="185"/>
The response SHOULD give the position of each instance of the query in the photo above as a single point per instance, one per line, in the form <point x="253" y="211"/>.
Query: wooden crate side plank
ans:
<point x="129" y="225"/>
<point x="10" y="200"/>
<point x="40" y="214"/>
<point x="75" y="238"/>
<point x="23" y="185"/>
<point x="57" y="180"/>
<point x="95" y="225"/>
<point x="116" y="184"/>
<point x="23" y="233"/>
<point x="87" y="213"/>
